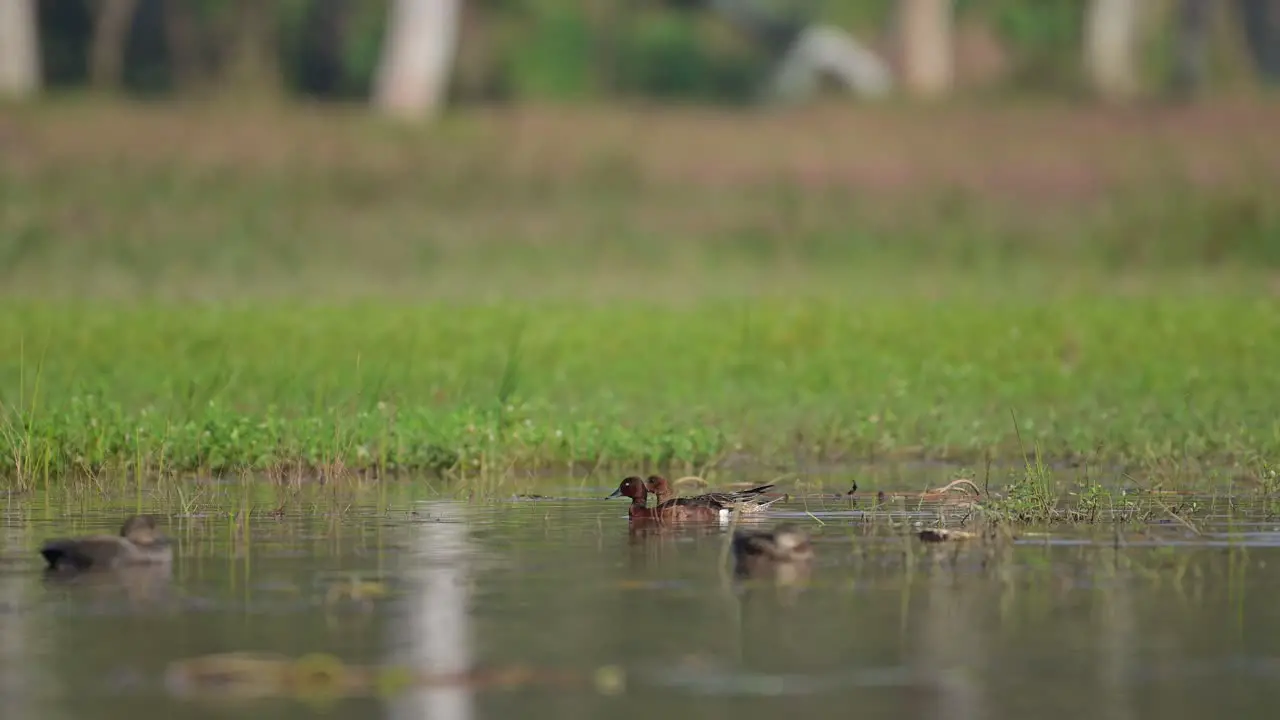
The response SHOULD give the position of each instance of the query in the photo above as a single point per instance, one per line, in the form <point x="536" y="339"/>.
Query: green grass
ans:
<point x="483" y="389"/>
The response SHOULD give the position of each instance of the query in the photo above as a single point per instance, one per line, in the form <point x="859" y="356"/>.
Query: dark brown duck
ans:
<point x="748" y="501"/>
<point x="137" y="544"/>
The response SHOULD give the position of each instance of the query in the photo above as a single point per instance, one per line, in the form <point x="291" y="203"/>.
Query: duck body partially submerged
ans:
<point x="139" y="543"/>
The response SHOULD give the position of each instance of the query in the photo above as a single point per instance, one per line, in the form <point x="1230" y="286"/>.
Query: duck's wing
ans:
<point x="758" y="505"/>
<point x="741" y="495"/>
<point x="727" y="499"/>
<point x="708" y="501"/>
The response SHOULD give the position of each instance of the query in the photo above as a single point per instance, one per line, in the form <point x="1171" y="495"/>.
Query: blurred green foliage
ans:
<point x="1044" y="37"/>
<point x="553" y="58"/>
<point x="551" y="49"/>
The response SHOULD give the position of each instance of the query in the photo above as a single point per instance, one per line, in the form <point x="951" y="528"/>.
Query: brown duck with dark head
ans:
<point x="748" y="501"/>
<point x="636" y="489"/>
<point x="138" y="543"/>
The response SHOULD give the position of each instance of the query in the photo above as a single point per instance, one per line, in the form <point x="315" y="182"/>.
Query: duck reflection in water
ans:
<point x="782" y="555"/>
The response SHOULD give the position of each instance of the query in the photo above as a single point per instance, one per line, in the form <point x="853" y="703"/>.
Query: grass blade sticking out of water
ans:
<point x="1031" y="498"/>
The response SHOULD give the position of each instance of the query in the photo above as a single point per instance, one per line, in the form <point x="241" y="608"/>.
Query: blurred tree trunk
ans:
<point x="1191" y="48"/>
<point x="112" y="20"/>
<point x="1110" y="40"/>
<point x="19" y="49"/>
<point x="928" y="57"/>
<point x="253" y="68"/>
<point x="605" y="17"/>
<point x="1261" y="21"/>
<point x="417" y="58"/>
<point x="325" y="27"/>
<point x="185" y="44"/>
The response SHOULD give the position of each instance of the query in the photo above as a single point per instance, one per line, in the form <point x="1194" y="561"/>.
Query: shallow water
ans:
<point x="553" y="608"/>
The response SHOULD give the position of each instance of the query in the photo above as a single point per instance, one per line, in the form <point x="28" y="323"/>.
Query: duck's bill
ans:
<point x="616" y="493"/>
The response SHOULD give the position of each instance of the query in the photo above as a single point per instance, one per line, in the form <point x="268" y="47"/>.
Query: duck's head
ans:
<point x="140" y="529"/>
<point x="658" y="485"/>
<point x="632" y="487"/>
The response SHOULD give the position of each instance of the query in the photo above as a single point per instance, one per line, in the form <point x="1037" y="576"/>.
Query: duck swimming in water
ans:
<point x="138" y="543"/>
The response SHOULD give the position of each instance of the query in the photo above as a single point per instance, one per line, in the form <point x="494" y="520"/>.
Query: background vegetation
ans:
<point x="522" y="50"/>
<point x="206" y="285"/>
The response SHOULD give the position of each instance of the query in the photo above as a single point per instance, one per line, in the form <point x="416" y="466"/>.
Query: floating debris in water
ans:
<point x="319" y="676"/>
<point x="610" y="680"/>
<point x="945" y="535"/>
<point x="713" y="679"/>
<point x="357" y="590"/>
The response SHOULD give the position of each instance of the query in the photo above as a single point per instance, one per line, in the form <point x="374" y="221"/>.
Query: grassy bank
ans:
<point x="518" y="386"/>
<point x="192" y="290"/>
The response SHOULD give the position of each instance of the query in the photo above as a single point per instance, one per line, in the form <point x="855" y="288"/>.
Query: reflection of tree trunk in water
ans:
<point x="432" y="632"/>
<point x="1192" y="41"/>
<point x="182" y="37"/>
<point x="19" y="631"/>
<point x="112" y="20"/>
<point x="1117" y="637"/>
<point x="252" y="68"/>
<point x="949" y="647"/>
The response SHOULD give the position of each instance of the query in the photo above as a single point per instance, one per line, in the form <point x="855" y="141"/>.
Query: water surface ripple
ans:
<point x="554" y="608"/>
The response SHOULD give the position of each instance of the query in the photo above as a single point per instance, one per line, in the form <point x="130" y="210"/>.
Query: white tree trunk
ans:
<point x="417" y="57"/>
<point x="928" y="54"/>
<point x="19" y="49"/>
<point x="1110" y="40"/>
